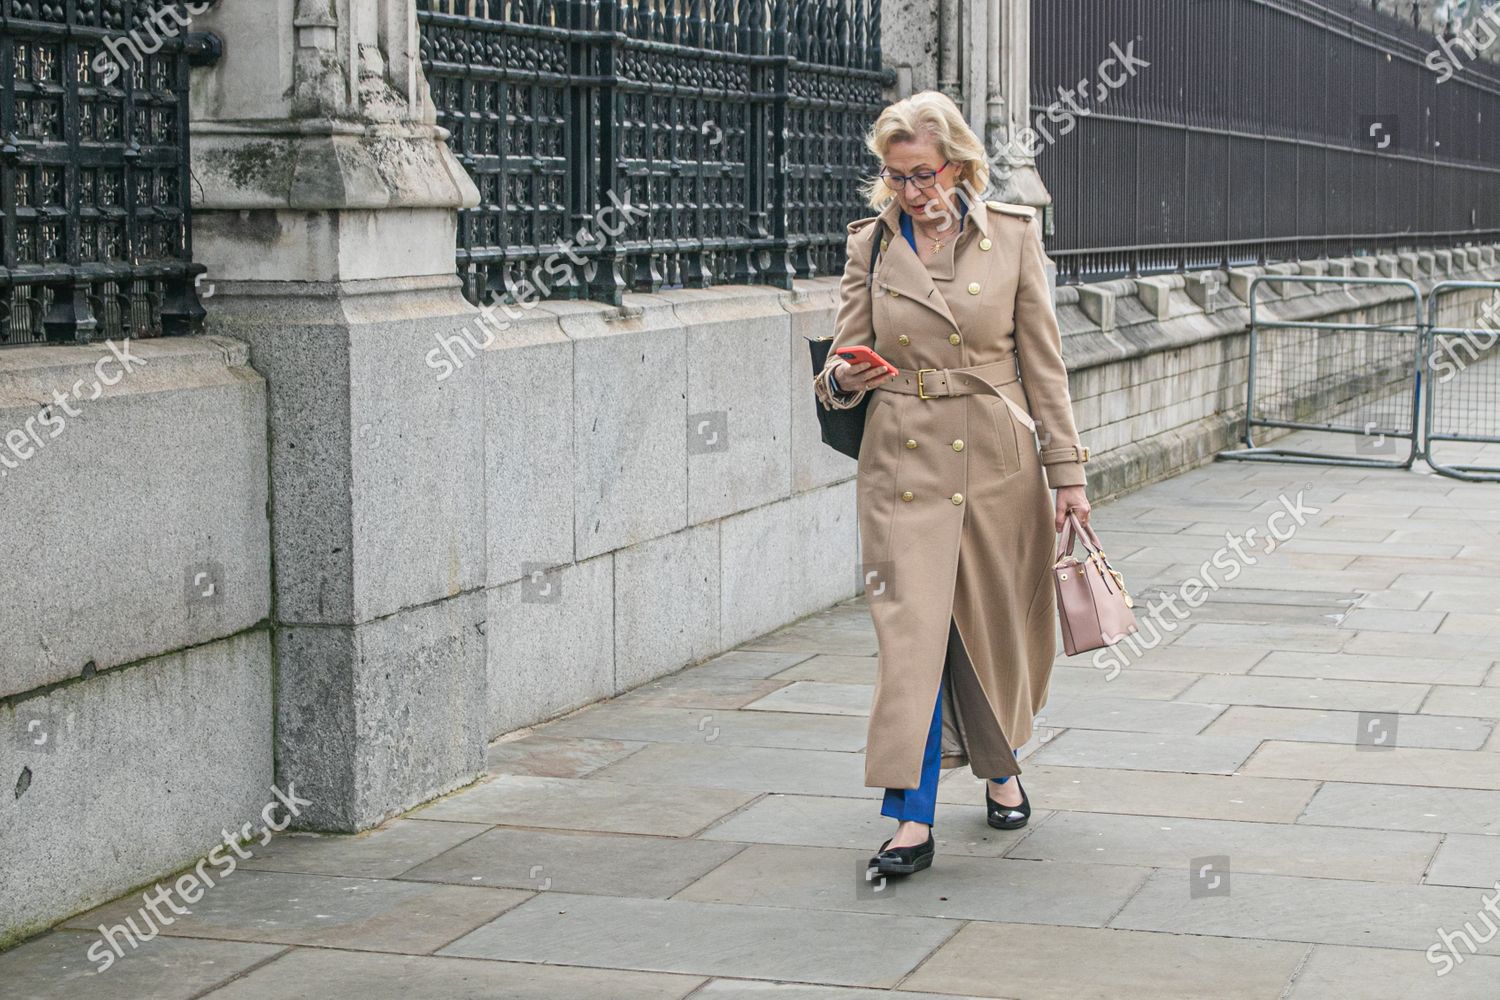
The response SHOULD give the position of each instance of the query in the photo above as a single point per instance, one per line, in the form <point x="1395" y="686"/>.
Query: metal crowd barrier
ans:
<point x="1359" y="380"/>
<point x="1463" y="387"/>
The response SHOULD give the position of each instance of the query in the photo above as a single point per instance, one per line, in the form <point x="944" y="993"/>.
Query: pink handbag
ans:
<point x="1091" y="598"/>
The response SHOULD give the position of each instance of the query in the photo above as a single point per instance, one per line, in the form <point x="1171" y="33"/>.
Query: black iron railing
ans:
<point x="94" y="172"/>
<point x="731" y="128"/>
<point x="1262" y="130"/>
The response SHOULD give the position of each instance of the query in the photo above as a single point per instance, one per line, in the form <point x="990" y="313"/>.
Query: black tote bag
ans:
<point x="843" y="430"/>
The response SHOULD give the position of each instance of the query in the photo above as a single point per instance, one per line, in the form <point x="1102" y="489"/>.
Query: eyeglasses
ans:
<point x="923" y="179"/>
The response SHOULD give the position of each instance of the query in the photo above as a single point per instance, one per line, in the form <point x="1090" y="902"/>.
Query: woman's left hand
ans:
<point x="1072" y="498"/>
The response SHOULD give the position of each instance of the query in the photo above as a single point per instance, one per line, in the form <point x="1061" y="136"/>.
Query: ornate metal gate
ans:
<point x="735" y="127"/>
<point x="94" y="171"/>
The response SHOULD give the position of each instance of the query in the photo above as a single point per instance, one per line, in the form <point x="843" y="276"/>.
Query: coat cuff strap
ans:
<point x="1073" y="453"/>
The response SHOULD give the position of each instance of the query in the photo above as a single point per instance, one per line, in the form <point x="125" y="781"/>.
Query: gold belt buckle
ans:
<point x="921" y="390"/>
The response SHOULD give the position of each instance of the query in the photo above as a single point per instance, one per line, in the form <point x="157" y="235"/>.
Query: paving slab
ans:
<point x="1480" y="626"/>
<point x="812" y="821"/>
<point x="1309" y="692"/>
<point x="1042" y="962"/>
<point x="817" y="698"/>
<point x="960" y="887"/>
<point x="1264" y="848"/>
<point x="639" y="724"/>
<point x="718" y="939"/>
<point x="1187" y="660"/>
<point x="1405" y="807"/>
<point x="1465" y="859"/>
<point x="1360" y="667"/>
<point x="1108" y="790"/>
<point x="1442" y="647"/>
<point x="1127" y="682"/>
<point x="1398" y="766"/>
<point x="1148" y="751"/>
<point x="751" y="989"/>
<point x="552" y="861"/>
<point x="384" y="852"/>
<point x="1379" y="974"/>
<point x="545" y="755"/>
<point x="1140" y="715"/>
<point x="751" y="664"/>
<point x="1314" y="910"/>
<point x="841" y="640"/>
<point x="355" y="913"/>
<point x="1480" y="701"/>
<point x="1396" y="599"/>
<point x="833" y="669"/>
<point x="586" y="804"/>
<point x="56" y="966"/>
<point x="1385" y="620"/>
<point x="1313" y="726"/>
<point x="815" y="772"/>
<point x="705" y="690"/>
<point x="307" y="974"/>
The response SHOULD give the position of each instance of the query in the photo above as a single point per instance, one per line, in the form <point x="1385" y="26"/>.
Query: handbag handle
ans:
<point x="1075" y="531"/>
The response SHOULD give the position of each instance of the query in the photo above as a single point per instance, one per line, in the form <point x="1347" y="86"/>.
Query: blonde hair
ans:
<point x="928" y="114"/>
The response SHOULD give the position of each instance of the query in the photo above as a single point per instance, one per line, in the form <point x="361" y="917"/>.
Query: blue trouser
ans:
<point x="920" y="803"/>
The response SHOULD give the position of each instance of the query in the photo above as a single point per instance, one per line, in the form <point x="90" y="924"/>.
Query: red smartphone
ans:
<point x="860" y="354"/>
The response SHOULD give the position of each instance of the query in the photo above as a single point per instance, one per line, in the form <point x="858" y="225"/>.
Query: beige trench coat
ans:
<point x="955" y="518"/>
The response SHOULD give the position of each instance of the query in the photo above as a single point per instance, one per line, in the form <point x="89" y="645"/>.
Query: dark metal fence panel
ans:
<point x="731" y="127"/>
<point x="1261" y="130"/>
<point x="94" y="194"/>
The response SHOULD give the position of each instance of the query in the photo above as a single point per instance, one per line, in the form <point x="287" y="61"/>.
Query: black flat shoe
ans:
<point x="904" y="860"/>
<point x="1007" y="817"/>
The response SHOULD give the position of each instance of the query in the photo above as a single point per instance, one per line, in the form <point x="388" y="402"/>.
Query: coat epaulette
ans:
<point x="859" y="224"/>
<point x="1019" y="211"/>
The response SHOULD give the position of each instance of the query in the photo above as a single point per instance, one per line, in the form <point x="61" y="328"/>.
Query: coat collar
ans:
<point x="977" y="216"/>
<point x="902" y="270"/>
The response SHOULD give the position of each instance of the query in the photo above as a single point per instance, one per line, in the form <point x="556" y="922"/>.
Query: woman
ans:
<point x="956" y="528"/>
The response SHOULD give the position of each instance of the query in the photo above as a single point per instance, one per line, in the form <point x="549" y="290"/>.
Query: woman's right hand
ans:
<point x="856" y="377"/>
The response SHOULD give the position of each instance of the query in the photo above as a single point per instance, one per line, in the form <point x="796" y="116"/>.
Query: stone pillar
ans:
<point x="978" y="52"/>
<point x="1014" y="174"/>
<point x="325" y="213"/>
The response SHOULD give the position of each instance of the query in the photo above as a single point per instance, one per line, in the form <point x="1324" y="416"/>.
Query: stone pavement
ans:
<point x="1293" y="792"/>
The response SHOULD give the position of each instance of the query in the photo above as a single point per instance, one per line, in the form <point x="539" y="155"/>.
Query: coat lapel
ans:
<point x="902" y="271"/>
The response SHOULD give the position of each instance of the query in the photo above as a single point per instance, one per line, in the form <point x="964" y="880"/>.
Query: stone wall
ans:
<point x="135" y="668"/>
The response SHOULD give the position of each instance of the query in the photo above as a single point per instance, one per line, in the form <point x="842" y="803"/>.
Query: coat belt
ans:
<point x="931" y="383"/>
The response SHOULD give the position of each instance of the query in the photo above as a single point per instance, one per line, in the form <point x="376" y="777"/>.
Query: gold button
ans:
<point x="886" y="243"/>
<point x="958" y="445"/>
<point x="954" y="339"/>
<point x="984" y="244"/>
<point x="894" y="293"/>
<point x="911" y="443"/>
<point x="973" y="288"/>
<point x="903" y="340"/>
<point x="958" y="498"/>
<point x="906" y="495"/>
